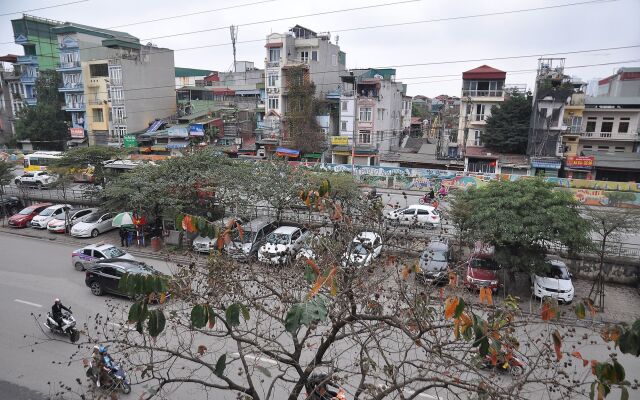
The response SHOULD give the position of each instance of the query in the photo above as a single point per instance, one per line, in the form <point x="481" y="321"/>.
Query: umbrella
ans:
<point x="123" y="219"/>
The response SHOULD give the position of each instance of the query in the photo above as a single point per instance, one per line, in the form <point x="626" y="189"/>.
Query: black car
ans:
<point x="104" y="276"/>
<point x="434" y="263"/>
<point x="10" y="205"/>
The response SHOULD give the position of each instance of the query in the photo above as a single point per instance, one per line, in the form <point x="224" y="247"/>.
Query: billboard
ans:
<point x="76" y="133"/>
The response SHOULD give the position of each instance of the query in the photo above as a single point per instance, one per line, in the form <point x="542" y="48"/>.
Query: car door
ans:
<point x="408" y="216"/>
<point x="422" y="216"/>
<point x="377" y="246"/>
<point x="109" y="278"/>
<point x="295" y="241"/>
<point x="98" y="255"/>
<point x="105" y="222"/>
<point x="87" y="257"/>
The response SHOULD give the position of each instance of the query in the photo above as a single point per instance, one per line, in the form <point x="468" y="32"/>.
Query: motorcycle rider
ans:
<point x="96" y="365"/>
<point x="56" y="312"/>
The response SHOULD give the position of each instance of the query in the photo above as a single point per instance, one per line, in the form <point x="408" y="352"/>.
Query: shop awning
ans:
<point x="177" y="145"/>
<point x="284" y="152"/>
<point x="312" y="155"/>
<point x="270" y="45"/>
<point x="159" y="147"/>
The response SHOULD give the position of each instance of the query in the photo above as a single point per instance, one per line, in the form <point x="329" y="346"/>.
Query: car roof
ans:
<point x="124" y="263"/>
<point x="366" y="235"/>
<point x="38" y="205"/>
<point x="437" y="246"/>
<point x="287" y="230"/>
<point x="54" y="206"/>
<point x="421" y="207"/>
<point x="99" y="246"/>
<point x="557" y="263"/>
<point x="257" y="223"/>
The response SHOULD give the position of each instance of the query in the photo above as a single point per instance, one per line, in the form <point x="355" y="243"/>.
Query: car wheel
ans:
<point x="17" y="182"/>
<point x="96" y="289"/>
<point x="94" y="233"/>
<point x="78" y="266"/>
<point x="516" y="370"/>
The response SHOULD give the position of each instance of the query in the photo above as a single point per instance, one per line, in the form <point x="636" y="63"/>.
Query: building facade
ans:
<point x="190" y="76"/>
<point x="299" y="47"/>
<point x="112" y="84"/>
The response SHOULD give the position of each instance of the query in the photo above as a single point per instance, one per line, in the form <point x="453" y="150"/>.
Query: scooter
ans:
<point x="514" y="366"/>
<point x="117" y="377"/>
<point x="68" y="326"/>
<point x="323" y="388"/>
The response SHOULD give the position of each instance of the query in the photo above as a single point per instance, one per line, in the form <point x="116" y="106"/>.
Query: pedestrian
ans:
<point x="123" y="237"/>
<point x="129" y="238"/>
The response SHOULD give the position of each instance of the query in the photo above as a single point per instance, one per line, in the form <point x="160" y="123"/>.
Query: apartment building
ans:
<point x="375" y="112"/>
<point x="113" y="85"/>
<point x="190" y="76"/>
<point x="299" y="47"/>
<point x="11" y="92"/>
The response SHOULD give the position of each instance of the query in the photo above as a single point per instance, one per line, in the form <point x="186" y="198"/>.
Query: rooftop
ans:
<point x="612" y="101"/>
<point x="72" y="27"/>
<point x="484" y="72"/>
<point x="181" y="72"/>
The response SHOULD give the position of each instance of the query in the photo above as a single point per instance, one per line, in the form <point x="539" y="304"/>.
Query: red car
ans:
<point x="24" y="217"/>
<point x="482" y="269"/>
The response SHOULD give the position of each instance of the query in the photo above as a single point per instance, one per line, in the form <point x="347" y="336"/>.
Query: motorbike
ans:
<point x="323" y="388"/>
<point x="514" y="366"/>
<point x="68" y="326"/>
<point x="118" y="379"/>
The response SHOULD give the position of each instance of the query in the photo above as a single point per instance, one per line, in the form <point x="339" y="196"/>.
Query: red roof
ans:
<point x="270" y="45"/>
<point x="224" y="91"/>
<point x="484" y="72"/>
<point x="12" y="58"/>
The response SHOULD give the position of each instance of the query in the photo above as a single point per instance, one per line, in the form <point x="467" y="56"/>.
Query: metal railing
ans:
<point x="483" y="93"/>
<point x="88" y="196"/>
<point x="69" y="64"/>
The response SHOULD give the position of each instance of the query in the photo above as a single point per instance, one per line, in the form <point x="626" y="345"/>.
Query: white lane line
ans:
<point x="409" y="391"/>
<point x="257" y="358"/>
<point x="27" y="303"/>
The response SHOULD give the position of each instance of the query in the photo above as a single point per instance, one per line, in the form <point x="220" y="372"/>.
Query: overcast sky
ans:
<point x="598" y="25"/>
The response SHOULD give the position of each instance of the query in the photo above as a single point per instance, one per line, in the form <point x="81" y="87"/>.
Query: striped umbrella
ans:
<point x="123" y="219"/>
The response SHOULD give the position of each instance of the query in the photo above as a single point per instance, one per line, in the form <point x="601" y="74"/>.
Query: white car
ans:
<point x="63" y="222"/>
<point x="86" y="256"/>
<point x="204" y="244"/>
<point x="282" y="244"/>
<point x="94" y="225"/>
<point x="364" y="248"/>
<point x="37" y="178"/>
<point x="415" y="214"/>
<point x="41" y="220"/>
<point x="555" y="282"/>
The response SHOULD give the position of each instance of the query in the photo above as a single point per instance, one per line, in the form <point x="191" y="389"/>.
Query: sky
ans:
<point x="422" y="52"/>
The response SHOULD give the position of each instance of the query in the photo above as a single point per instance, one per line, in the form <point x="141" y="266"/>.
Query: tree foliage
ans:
<point x="94" y="156"/>
<point x="301" y="123"/>
<point x="507" y="129"/>
<point x="45" y="123"/>
<point x="522" y="219"/>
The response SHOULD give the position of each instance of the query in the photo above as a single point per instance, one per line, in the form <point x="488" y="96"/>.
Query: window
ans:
<point x="274" y="54"/>
<point x="274" y="103"/>
<point x="364" y="137"/>
<point x="334" y="60"/>
<point x="603" y="148"/>
<point x="619" y="149"/>
<point x="314" y="56"/>
<point x="591" y="124"/>
<point x="98" y="70"/>
<point x="365" y="114"/>
<point x="118" y="115"/>
<point x="97" y="115"/>
<point x="304" y="56"/>
<point x="607" y="124"/>
<point x="480" y="112"/>
<point x="543" y="112"/>
<point x="343" y="125"/>
<point x="623" y="126"/>
<point x="587" y="147"/>
<point x="272" y="80"/>
<point x="477" y="138"/>
<point x="380" y="114"/>
<point x="345" y="106"/>
<point x="380" y="136"/>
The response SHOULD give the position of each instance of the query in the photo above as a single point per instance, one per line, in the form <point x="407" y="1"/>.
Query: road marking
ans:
<point x="257" y="358"/>
<point x="27" y="303"/>
<point x="420" y="394"/>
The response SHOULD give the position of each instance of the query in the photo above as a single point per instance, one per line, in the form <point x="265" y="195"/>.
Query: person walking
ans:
<point x="123" y="237"/>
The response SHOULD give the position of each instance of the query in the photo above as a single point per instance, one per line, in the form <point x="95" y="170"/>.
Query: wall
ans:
<point x="616" y="270"/>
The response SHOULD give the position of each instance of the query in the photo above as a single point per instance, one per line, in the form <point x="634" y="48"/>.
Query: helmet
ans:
<point x="102" y="349"/>
<point x="56" y="301"/>
<point x="96" y="348"/>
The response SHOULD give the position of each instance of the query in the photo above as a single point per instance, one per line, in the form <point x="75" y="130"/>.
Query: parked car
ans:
<point x="94" y="225"/>
<point x="38" y="179"/>
<point x="104" y="275"/>
<point x="555" y="282"/>
<point x="434" y="263"/>
<point x="41" y="220"/>
<point x="415" y="214"/>
<point x="9" y="205"/>
<point x="255" y="231"/>
<point x="310" y="246"/>
<point x="88" y="255"/>
<point x="282" y="245"/>
<point x="24" y="217"/>
<point x="364" y="248"/>
<point x="482" y="272"/>
<point x="204" y="244"/>
<point x="63" y="222"/>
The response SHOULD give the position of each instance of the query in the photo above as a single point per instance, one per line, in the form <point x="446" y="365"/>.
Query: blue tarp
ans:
<point x="196" y="130"/>
<point x="156" y="124"/>
<point x="177" y="145"/>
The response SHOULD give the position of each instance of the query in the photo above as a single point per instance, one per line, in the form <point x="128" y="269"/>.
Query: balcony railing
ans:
<point x="75" y="86"/>
<point x="273" y="64"/>
<point x="69" y="65"/>
<point x="71" y="106"/>
<point x="27" y="60"/>
<point x="30" y="101"/>
<point x="482" y="93"/>
<point x="479" y="117"/>
<point x="610" y="135"/>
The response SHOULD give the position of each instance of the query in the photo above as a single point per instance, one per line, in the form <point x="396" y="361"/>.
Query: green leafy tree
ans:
<point x="94" y="156"/>
<point x="522" y="219"/>
<point x="6" y="176"/>
<point x="301" y="123"/>
<point x="507" y="129"/>
<point x="45" y="124"/>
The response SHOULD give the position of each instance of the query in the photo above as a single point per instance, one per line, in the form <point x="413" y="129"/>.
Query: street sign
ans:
<point x="130" y="141"/>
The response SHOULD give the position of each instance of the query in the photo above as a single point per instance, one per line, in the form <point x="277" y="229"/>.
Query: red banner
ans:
<point x="583" y="162"/>
<point x="76" y="133"/>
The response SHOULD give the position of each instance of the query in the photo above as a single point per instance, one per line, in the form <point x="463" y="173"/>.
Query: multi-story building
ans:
<point x="624" y="83"/>
<point x="191" y="76"/>
<point x="10" y="97"/>
<point x="40" y="46"/>
<point x="299" y="47"/>
<point x="482" y="89"/>
<point x="375" y="111"/>
<point x="422" y="105"/>
<point x="112" y="84"/>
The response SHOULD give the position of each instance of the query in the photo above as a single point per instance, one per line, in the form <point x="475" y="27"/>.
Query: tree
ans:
<point x="507" y="129"/>
<point x="608" y="224"/>
<point x="301" y="123"/>
<point x="93" y="156"/>
<point x="6" y="176"/>
<point x="45" y="123"/>
<point x="522" y="219"/>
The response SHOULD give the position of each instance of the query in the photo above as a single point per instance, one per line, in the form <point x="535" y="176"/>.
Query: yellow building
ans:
<point x="98" y="105"/>
<point x="572" y="119"/>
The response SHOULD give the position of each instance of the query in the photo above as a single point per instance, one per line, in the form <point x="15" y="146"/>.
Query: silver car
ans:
<point x="85" y="257"/>
<point x="94" y="225"/>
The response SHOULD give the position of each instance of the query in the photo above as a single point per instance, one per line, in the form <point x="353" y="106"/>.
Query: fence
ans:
<point x="83" y="197"/>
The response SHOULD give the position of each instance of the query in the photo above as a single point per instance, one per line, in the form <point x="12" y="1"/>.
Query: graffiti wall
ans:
<point x="588" y="192"/>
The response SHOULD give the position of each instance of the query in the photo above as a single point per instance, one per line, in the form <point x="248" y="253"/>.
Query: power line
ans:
<point x="43" y="8"/>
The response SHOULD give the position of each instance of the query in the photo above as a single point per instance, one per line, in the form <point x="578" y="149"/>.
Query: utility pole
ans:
<point x="355" y="126"/>
<point x="234" y="36"/>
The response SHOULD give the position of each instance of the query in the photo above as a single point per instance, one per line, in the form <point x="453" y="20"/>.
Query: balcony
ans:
<point x="69" y="66"/>
<point x="73" y="106"/>
<point x="28" y="79"/>
<point x="72" y="87"/>
<point x="273" y="64"/>
<point x="482" y="93"/>
<point x="28" y="60"/>
<point x="610" y="136"/>
<point x="30" y="101"/>
<point x="97" y="102"/>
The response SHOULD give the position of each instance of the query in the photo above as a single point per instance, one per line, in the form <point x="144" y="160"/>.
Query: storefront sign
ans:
<point x="196" y="130"/>
<point x="76" y="133"/>
<point x="339" y="140"/>
<point x="545" y="164"/>
<point x="580" y="162"/>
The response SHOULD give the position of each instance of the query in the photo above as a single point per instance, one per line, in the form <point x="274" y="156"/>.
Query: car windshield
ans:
<point x="359" y="249"/>
<point x="247" y="237"/>
<point x="27" y="211"/>
<point x="47" y="212"/>
<point x="557" y="272"/>
<point x="483" y="263"/>
<point x="113" y="252"/>
<point x="440" y="256"/>
<point x="92" y="218"/>
<point x="278" y="238"/>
